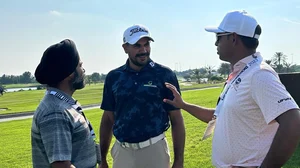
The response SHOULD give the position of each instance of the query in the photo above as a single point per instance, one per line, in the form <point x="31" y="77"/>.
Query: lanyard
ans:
<point x="74" y="106"/>
<point x="227" y="87"/>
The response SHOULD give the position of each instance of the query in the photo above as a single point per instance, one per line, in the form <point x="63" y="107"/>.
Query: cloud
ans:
<point x="291" y="21"/>
<point x="56" y="13"/>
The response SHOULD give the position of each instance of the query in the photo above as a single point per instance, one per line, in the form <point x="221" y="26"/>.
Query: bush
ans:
<point x="40" y="87"/>
<point x="216" y="78"/>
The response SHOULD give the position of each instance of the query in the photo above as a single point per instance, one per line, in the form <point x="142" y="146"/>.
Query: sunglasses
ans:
<point x="218" y="36"/>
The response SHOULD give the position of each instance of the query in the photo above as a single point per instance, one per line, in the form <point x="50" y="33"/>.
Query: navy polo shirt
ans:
<point x="136" y="99"/>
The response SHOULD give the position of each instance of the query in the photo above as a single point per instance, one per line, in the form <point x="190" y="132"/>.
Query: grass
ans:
<point x="27" y="101"/>
<point x="17" y="151"/>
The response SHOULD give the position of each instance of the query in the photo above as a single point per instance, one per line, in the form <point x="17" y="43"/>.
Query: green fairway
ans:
<point x="16" y="153"/>
<point x="24" y="101"/>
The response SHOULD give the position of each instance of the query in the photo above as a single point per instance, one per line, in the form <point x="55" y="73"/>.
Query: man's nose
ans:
<point x="216" y="43"/>
<point x="143" y="49"/>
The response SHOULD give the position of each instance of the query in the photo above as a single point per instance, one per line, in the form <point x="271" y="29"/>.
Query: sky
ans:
<point x="28" y="27"/>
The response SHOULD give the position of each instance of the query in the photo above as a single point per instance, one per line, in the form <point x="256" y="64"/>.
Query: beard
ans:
<point x="135" y="62"/>
<point x="78" y="82"/>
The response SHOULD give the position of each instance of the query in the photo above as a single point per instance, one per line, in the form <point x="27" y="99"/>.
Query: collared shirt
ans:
<point x="136" y="100"/>
<point x="246" y="125"/>
<point x="60" y="133"/>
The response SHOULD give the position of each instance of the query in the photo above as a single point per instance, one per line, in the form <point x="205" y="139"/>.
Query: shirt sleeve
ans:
<point x="271" y="95"/>
<point x="171" y="78"/>
<point x="108" y="100"/>
<point x="55" y="130"/>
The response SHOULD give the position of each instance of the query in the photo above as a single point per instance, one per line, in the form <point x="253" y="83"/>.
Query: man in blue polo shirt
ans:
<point x="134" y="110"/>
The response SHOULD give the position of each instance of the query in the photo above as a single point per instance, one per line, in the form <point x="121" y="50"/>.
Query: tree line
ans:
<point x="278" y="62"/>
<point x="27" y="78"/>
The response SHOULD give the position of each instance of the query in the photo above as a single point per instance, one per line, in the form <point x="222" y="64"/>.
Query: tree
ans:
<point x="197" y="75"/>
<point x="26" y="77"/>
<point x="4" y="79"/>
<point x="216" y="78"/>
<point x="203" y="71"/>
<point x="289" y="67"/>
<point x="268" y="61"/>
<point x="209" y="70"/>
<point x="95" y="77"/>
<point x="88" y="79"/>
<point x="224" y="69"/>
<point x="187" y="77"/>
<point x="103" y="76"/>
<point x="278" y="60"/>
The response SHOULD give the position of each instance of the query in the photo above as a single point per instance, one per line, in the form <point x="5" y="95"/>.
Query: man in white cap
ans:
<point x="134" y="110"/>
<point x="256" y="120"/>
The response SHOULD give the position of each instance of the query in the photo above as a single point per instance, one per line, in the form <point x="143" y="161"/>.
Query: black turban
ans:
<point x="58" y="62"/>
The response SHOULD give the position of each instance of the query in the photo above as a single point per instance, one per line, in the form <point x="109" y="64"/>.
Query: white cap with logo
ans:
<point x="134" y="33"/>
<point x="239" y="22"/>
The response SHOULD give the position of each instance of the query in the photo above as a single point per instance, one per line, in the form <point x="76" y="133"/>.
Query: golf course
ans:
<point x="15" y="135"/>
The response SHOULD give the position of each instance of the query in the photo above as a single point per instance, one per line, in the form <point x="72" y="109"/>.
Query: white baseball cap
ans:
<point x="239" y="22"/>
<point x="135" y="33"/>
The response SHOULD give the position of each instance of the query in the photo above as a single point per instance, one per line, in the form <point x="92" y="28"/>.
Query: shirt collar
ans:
<point x="150" y="65"/>
<point x="243" y="62"/>
<point x="71" y="99"/>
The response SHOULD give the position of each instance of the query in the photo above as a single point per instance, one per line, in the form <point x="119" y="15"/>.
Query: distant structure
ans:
<point x="2" y="90"/>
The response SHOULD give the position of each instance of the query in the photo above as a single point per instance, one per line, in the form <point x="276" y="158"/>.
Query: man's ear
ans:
<point x="125" y="48"/>
<point x="68" y="78"/>
<point x="71" y="76"/>
<point x="234" y="39"/>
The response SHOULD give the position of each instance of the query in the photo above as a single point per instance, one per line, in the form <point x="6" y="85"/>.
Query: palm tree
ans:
<point x="279" y="59"/>
<point x="197" y="75"/>
<point x="268" y="61"/>
<point x="209" y="69"/>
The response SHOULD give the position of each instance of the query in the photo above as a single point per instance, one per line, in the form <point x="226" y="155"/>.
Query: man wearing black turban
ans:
<point x="61" y="136"/>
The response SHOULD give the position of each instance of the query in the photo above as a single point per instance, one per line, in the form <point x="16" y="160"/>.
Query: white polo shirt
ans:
<point x="246" y="125"/>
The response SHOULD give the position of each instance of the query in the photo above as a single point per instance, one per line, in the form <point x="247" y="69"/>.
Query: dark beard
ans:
<point x="78" y="82"/>
<point x="139" y="55"/>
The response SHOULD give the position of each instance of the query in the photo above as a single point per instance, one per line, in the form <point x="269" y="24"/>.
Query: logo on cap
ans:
<point x="134" y="33"/>
<point x="136" y="30"/>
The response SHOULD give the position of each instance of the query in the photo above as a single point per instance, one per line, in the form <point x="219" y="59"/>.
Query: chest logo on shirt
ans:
<point x="150" y="84"/>
<point x="236" y="83"/>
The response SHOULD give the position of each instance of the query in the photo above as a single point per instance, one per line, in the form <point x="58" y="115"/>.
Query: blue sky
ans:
<point x="27" y="28"/>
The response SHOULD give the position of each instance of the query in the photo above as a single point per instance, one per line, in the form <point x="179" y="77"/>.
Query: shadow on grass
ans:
<point x="294" y="161"/>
